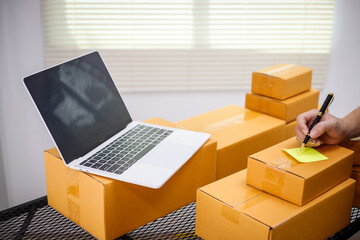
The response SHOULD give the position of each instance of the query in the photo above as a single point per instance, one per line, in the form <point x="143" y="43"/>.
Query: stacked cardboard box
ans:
<point x="356" y="176"/>
<point x="354" y="145"/>
<point x="109" y="208"/>
<point x="274" y="171"/>
<point x="278" y="95"/>
<point x="239" y="133"/>
<point x="282" y="91"/>
<point x="232" y="209"/>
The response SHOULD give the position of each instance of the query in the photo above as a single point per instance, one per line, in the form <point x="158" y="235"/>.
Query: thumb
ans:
<point x="319" y="129"/>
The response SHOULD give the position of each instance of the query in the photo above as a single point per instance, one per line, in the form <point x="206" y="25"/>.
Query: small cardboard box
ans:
<point x="108" y="208"/>
<point x="239" y="133"/>
<point x="290" y="129"/>
<point x="287" y="109"/>
<point x="355" y="146"/>
<point x="356" y="176"/>
<point x="274" y="171"/>
<point x="230" y="209"/>
<point x="281" y="81"/>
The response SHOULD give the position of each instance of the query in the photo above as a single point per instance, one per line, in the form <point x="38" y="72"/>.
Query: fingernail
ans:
<point x="312" y="141"/>
<point x="304" y="131"/>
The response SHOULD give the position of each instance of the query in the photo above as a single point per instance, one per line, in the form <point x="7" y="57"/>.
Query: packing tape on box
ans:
<point x="73" y="195"/>
<point x="73" y="182"/>
<point x="265" y="106"/>
<point x="273" y="180"/>
<point x="231" y="215"/>
<point x="73" y="211"/>
<point x="232" y="121"/>
<point x="262" y="104"/>
<point x="271" y="188"/>
<point x="288" y="162"/>
<point x="280" y="69"/>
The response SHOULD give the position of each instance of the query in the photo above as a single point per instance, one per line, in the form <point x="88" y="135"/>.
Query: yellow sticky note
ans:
<point x="306" y="155"/>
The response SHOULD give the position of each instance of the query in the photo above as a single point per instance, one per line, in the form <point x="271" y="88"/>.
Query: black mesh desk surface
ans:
<point x="37" y="220"/>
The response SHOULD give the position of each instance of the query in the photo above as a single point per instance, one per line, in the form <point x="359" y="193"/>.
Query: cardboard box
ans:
<point x="281" y="81"/>
<point x="274" y="171"/>
<point x="355" y="146"/>
<point x="286" y="110"/>
<point x="108" y="208"/>
<point x="356" y="176"/>
<point x="230" y="209"/>
<point x="239" y="133"/>
<point x="290" y="129"/>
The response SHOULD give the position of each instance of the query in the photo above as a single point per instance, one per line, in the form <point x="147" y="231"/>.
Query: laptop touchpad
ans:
<point x="169" y="155"/>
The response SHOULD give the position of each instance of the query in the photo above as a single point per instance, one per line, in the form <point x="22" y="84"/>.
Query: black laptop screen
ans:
<point x="79" y="104"/>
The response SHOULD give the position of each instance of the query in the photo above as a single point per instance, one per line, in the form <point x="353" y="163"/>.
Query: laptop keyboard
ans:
<point x="124" y="151"/>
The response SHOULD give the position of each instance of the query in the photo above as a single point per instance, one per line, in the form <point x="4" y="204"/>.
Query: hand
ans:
<point x="330" y="130"/>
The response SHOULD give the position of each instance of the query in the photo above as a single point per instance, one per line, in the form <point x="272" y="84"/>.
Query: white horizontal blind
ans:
<point x="184" y="45"/>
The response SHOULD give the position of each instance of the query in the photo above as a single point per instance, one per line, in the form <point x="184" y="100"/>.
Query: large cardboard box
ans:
<point x="290" y="129"/>
<point x="274" y="171"/>
<point x="286" y="110"/>
<point x="355" y="146"/>
<point x="281" y="81"/>
<point x="239" y="133"/>
<point x="230" y="209"/>
<point x="356" y="176"/>
<point x="108" y="208"/>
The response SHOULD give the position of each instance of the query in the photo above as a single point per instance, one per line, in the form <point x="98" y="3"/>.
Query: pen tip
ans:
<point x="302" y="146"/>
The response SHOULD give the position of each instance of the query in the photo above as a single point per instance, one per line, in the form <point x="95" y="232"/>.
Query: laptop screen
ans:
<point x="79" y="104"/>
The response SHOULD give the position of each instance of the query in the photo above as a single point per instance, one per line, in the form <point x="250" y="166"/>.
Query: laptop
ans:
<point x="93" y="131"/>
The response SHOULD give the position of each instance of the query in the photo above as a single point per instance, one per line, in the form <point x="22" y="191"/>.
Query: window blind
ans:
<point x="185" y="45"/>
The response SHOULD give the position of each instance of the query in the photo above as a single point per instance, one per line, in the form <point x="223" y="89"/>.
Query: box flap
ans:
<point x="284" y="71"/>
<point x="219" y="119"/>
<point x="274" y="156"/>
<point x="231" y="124"/>
<point x="266" y="212"/>
<point x="216" y="220"/>
<point x="280" y="210"/>
<point x="232" y="190"/>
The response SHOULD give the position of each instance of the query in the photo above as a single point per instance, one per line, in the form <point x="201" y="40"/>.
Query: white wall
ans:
<point x="344" y="78"/>
<point x="23" y="136"/>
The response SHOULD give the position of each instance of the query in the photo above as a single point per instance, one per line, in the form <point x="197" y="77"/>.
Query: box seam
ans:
<point x="233" y="207"/>
<point x="283" y="170"/>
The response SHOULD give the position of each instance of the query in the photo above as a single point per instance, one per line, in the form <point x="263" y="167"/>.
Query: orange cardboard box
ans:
<point x="108" y="208"/>
<point x="355" y="146"/>
<point x="290" y="129"/>
<point x="287" y="109"/>
<point x="239" y="133"/>
<point x="281" y="81"/>
<point x="231" y="209"/>
<point x="356" y="176"/>
<point x="274" y="171"/>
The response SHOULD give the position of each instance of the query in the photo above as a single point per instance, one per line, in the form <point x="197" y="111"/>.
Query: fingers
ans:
<point x="303" y="121"/>
<point x="328" y="130"/>
<point x="311" y="142"/>
<point x="314" y="143"/>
